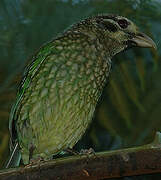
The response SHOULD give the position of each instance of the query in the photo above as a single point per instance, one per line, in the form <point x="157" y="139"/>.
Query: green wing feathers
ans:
<point x="29" y="73"/>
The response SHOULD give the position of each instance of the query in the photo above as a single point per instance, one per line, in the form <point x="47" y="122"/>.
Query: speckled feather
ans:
<point x="64" y="91"/>
<point x="61" y="87"/>
<point x="59" y="91"/>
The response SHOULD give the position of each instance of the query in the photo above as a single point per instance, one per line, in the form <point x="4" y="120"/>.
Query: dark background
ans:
<point x="129" y="112"/>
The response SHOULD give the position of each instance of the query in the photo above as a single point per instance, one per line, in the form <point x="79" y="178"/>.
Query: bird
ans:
<point x="62" y="85"/>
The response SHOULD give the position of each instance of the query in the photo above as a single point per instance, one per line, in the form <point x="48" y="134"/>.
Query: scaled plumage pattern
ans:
<point x="61" y="87"/>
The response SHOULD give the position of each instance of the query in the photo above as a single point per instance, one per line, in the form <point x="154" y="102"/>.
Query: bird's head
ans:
<point x="116" y="33"/>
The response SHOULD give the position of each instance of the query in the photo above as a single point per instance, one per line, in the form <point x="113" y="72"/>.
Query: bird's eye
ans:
<point x="123" y="23"/>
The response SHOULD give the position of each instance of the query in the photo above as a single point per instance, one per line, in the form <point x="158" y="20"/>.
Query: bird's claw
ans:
<point x="72" y="151"/>
<point x="34" y="161"/>
<point x="87" y="151"/>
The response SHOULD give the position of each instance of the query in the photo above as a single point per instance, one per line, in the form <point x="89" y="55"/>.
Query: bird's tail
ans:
<point x="15" y="157"/>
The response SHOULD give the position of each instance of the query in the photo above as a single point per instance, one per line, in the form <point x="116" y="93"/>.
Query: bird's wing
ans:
<point x="29" y="73"/>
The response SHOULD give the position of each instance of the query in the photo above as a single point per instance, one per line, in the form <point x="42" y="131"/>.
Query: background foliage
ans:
<point x="129" y="111"/>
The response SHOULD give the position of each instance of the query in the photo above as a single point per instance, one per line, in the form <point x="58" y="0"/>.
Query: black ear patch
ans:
<point x="106" y="25"/>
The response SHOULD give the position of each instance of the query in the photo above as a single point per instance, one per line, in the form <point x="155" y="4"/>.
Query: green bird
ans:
<point x="61" y="87"/>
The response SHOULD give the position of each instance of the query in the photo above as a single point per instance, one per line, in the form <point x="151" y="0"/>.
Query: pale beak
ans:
<point x="142" y="40"/>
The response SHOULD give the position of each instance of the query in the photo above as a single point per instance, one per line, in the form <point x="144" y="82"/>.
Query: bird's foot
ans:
<point x="71" y="151"/>
<point x="35" y="161"/>
<point x="82" y="151"/>
<point x="87" y="151"/>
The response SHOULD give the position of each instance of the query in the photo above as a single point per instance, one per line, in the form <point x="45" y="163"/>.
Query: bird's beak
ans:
<point x="142" y="40"/>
